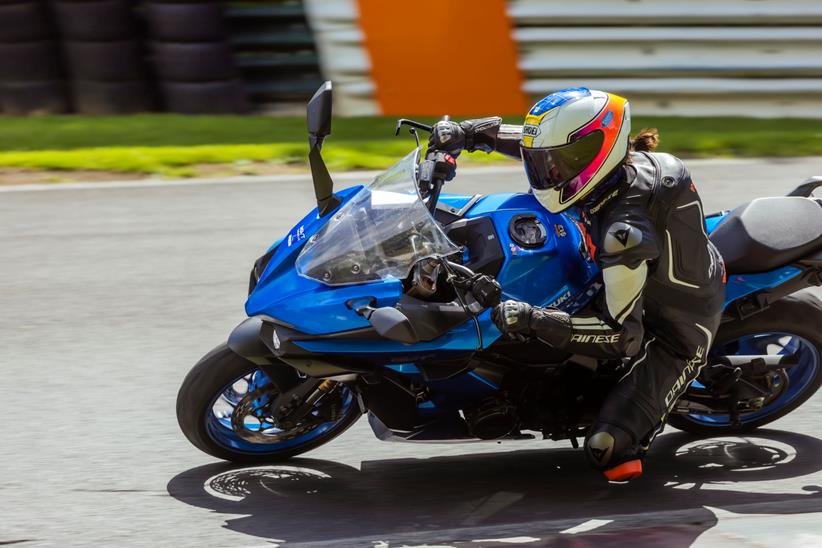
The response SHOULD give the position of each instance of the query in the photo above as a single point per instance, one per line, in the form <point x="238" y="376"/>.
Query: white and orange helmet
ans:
<point x="571" y="141"/>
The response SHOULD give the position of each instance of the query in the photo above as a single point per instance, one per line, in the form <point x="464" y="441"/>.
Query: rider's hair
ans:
<point x="645" y="141"/>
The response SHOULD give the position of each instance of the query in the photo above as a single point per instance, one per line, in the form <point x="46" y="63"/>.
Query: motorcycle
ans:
<point x="368" y="306"/>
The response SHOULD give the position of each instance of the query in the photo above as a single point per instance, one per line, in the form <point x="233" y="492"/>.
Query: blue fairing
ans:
<point x="740" y="285"/>
<point x="555" y="274"/>
<point x="310" y="306"/>
<point x="551" y="275"/>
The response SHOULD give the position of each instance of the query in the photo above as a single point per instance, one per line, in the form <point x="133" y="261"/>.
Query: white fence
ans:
<point x="726" y="57"/>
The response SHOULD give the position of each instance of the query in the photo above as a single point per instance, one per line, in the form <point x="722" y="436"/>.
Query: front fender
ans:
<point x="255" y="340"/>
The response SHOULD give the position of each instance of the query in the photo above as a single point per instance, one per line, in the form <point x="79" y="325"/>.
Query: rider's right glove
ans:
<point x="447" y="136"/>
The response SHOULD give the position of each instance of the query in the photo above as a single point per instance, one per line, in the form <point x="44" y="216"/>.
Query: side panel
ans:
<point x="740" y="285"/>
<point x="556" y="274"/>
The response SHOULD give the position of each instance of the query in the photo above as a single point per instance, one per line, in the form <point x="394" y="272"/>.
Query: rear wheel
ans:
<point x="789" y="326"/>
<point x="223" y="409"/>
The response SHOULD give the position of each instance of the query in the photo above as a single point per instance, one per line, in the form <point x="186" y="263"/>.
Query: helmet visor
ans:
<point x="555" y="167"/>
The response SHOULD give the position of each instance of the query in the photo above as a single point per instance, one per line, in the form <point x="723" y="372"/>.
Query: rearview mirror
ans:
<point x="318" y="113"/>
<point x="393" y="324"/>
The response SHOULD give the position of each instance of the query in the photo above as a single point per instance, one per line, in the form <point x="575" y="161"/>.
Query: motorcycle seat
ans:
<point x="767" y="233"/>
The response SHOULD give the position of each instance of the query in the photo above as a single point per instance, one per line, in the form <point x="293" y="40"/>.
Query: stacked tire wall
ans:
<point x="109" y="57"/>
<point x="192" y="58"/>
<point x="31" y="77"/>
<point x="103" y="56"/>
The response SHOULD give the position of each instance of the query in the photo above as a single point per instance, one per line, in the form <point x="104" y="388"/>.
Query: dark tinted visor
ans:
<point x="554" y="167"/>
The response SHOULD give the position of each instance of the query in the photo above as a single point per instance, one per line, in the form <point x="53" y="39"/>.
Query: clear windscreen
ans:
<point x="381" y="233"/>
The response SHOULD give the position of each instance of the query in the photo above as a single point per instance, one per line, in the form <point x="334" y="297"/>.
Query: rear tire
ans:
<point x="206" y="381"/>
<point x="799" y="314"/>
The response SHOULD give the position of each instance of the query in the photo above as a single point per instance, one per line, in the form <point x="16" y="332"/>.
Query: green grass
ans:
<point x="171" y="144"/>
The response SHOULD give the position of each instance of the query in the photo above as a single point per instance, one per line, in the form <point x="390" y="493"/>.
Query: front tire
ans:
<point x="797" y="317"/>
<point x="216" y="375"/>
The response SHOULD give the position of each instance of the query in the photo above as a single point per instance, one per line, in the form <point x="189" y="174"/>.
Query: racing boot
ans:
<point x="610" y="449"/>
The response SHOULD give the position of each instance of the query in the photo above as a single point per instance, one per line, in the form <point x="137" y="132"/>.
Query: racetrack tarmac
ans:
<point x="109" y="294"/>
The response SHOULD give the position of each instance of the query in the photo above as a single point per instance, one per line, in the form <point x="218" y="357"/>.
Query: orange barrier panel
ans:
<point x="434" y="57"/>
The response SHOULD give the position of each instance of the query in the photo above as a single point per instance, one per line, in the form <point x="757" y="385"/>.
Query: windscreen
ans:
<point x="381" y="233"/>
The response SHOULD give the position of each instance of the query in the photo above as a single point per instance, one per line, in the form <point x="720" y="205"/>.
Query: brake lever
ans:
<point x="411" y="123"/>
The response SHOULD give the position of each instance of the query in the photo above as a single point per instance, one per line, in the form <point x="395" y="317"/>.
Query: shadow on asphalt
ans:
<point x="472" y="496"/>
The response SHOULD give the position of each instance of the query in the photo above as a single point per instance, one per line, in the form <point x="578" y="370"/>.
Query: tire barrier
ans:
<point x="205" y="97"/>
<point x="26" y="98"/>
<point x="31" y="79"/>
<point x="94" y="21"/>
<point x="185" y="22"/>
<point x="116" y="61"/>
<point x="111" y="97"/>
<point x="127" y="56"/>
<point x="24" y="22"/>
<point x="192" y="58"/>
<point x="195" y="62"/>
<point x="104" y="58"/>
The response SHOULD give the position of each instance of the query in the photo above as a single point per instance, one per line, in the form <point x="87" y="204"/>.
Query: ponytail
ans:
<point x="645" y="141"/>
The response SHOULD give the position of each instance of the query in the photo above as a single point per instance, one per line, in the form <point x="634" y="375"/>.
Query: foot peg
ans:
<point x="625" y="471"/>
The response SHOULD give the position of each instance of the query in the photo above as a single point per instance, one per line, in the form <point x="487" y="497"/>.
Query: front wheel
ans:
<point x="788" y="326"/>
<point x="223" y="409"/>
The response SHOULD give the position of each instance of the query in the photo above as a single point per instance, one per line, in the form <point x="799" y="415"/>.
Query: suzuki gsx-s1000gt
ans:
<point x="366" y="307"/>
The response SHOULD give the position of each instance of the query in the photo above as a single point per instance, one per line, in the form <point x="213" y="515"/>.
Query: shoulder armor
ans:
<point x="621" y="237"/>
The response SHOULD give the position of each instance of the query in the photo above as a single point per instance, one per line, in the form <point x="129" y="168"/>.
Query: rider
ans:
<point x="663" y="279"/>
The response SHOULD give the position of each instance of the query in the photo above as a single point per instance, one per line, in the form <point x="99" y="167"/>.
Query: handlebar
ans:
<point x="433" y="172"/>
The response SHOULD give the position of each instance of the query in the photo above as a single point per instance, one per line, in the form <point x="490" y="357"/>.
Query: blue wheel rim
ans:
<point x="800" y="376"/>
<point x="220" y="429"/>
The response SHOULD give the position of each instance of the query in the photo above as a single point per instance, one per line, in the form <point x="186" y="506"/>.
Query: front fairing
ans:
<point x="313" y="307"/>
<point x="359" y="252"/>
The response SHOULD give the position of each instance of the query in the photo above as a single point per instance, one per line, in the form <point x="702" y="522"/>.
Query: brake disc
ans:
<point x="253" y="420"/>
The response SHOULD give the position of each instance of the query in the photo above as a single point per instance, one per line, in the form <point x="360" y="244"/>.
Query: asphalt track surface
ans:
<point x="110" y="293"/>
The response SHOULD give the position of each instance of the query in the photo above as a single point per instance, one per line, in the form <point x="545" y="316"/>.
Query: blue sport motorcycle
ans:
<point x="367" y="307"/>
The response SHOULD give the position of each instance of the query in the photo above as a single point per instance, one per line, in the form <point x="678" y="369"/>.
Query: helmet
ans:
<point x="571" y="141"/>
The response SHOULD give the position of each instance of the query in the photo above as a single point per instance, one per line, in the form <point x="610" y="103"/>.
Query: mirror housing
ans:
<point x="318" y="112"/>
<point x="318" y="119"/>
<point x="392" y="324"/>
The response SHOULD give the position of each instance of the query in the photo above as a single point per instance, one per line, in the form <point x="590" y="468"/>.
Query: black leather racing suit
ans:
<point x="663" y="292"/>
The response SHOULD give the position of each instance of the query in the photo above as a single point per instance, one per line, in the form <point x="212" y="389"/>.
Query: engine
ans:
<point x="493" y="418"/>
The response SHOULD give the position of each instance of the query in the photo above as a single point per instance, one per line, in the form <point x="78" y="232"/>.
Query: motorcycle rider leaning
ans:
<point x="663" y="279"/>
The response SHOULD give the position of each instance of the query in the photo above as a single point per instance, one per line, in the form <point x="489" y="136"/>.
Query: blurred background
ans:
<point x="109" y="293"/>
<point x="226" y="74"/>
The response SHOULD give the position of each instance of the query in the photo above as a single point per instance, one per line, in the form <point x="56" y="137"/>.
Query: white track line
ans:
<point x="589" y="525"/>
<point x="349" y="176"/>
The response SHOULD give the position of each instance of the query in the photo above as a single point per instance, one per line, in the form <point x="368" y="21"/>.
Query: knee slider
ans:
<point x="608" y="446"/>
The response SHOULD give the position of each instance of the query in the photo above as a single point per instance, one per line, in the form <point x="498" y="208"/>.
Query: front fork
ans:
<point x="294" y="404"/>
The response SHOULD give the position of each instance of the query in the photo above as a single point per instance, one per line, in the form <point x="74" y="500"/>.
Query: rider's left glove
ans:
<point x="512" y="317"/>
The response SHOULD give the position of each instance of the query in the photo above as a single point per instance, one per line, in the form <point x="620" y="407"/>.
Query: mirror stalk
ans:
<point x="319" y="127"/>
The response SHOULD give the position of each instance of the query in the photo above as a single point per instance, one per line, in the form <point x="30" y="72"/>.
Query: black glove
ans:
<point x="447" y="136"/>
<point x="512" y="317"/>
<point x="486" y="290"/>
<point x="552" y="326"/>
